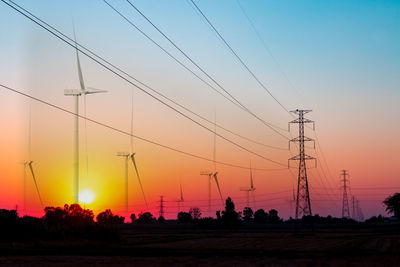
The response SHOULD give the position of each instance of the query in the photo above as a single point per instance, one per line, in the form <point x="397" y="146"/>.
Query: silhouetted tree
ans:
<point x="195" y="213"/>
<point x="273" y="216"/>
<point x="161" y="219"/>
<point x="184" y="217"/>
<point x="260" y="216"/>
<point x="392" y="204"/>
<point x="133" y="218"/>
<point x="229" y="216"/>
<point x="247" y="214"/>
<point x="218" y="214"/>
<point x="375" y="219"/>
<point x="54" y="217"/>
<point x="108" y="218"/>
<point x="8" y="224"/>
<point x="145" y="218"/>
<point x="77" y="217"/>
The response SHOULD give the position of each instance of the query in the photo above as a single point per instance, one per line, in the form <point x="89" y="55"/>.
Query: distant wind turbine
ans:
<point x="180" y="200"/>
<point x="29" y="164"/>
<point x="249" y="190"/>
<point x="131" y="155"/>
<point x="76" y="93"/>
<point x="214" y="173"/>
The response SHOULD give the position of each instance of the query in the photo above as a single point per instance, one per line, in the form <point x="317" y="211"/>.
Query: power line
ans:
<point x="146" y="92"/>
<point x="269" y="125"/>
<point x="129" y="134"/>
<point x="150" y="88"/>
<point x="264" y="44"/>
<point x="240" y="60"/>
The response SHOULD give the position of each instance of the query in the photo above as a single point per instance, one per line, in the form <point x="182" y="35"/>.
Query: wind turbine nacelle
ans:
<point x="73" y="92"/>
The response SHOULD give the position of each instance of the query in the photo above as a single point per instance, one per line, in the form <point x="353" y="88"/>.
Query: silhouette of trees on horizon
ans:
<point x="392" y="204"/>
<point x="73" y="221"/>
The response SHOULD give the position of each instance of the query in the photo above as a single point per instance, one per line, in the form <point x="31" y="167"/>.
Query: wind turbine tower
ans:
<point x="76" y="93"/>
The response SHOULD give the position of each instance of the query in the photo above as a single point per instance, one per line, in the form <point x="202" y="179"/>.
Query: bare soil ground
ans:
<point x="262" y="246"/>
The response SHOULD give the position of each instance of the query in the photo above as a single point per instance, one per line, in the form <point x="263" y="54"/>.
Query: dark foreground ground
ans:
<point x="160" y="245"/>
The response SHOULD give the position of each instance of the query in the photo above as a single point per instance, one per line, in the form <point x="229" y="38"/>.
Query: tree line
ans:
<point x="72" y="221"/>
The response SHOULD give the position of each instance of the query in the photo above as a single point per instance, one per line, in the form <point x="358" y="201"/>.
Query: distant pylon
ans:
<point x="303" y="203"/>
<point x="353" y="201"/>
<point x="345" y="204"/>
<point x="161" y="206"/>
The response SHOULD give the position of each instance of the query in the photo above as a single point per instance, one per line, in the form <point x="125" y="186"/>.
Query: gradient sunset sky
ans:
<point x="339" y="58"/>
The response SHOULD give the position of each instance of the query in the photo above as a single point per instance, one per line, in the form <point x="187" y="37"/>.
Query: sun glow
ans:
<point x="86" y="196"/>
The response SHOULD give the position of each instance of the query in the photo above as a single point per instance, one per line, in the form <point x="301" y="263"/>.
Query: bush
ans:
<point x="145" y="218"/>
<point x="260" y="216"/>
<point x="107" y="218"/>
<point x="184" y="217"/>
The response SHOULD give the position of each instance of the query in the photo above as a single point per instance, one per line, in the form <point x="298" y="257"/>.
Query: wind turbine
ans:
<point x="180" y="200"/>
<point x="29" y="164"/>
<point x="131" y="155"/>
<point x="76" y="93"/>
<point x="214" y="174"/>
<point x="249" y="189"/>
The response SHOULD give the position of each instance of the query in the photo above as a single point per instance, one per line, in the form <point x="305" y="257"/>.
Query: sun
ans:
<point x="86" y="196"/>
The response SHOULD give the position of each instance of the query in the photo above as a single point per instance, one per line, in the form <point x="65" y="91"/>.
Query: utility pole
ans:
<point x="345" y="204"/>
<point x="161" y="206"/>
<point x="303" y="203"/>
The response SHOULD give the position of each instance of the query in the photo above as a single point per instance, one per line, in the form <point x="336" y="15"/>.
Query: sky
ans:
<point x="341" y="59"/>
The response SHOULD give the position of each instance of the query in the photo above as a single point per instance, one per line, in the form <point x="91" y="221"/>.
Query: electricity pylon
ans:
<point x="303" y="203"/>
<point x="345" y="204"/>
<point x="161" y="206"/>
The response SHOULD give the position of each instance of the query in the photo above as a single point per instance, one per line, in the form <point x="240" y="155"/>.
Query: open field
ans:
<point x="166" y="245"/>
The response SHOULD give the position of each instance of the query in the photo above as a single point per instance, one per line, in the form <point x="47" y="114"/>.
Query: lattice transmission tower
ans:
<point x="345" y="204"/>
<point x="303" y="203"/>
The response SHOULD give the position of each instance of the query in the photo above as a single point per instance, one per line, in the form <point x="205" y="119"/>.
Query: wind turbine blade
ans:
<point x="219" y="189"/>
<point x="138" y="176"/>
<point x="86" y="140"/>
<point x="36" y="185"/>
<point x="79" y="65"/>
